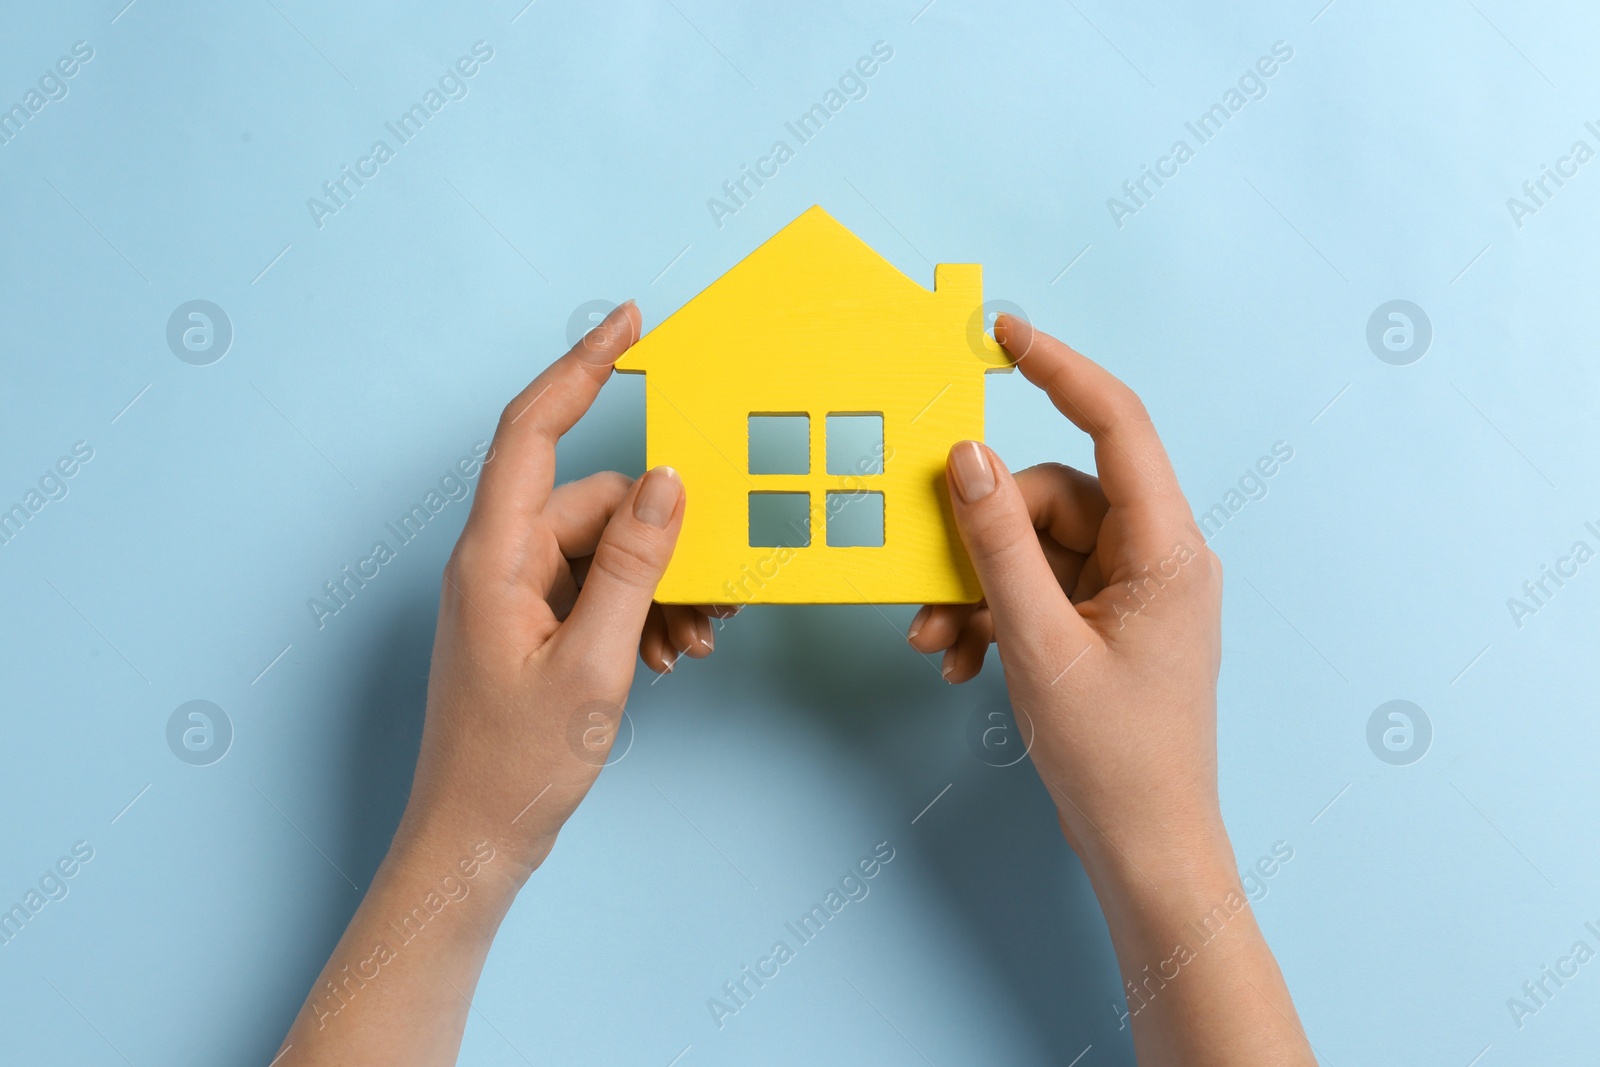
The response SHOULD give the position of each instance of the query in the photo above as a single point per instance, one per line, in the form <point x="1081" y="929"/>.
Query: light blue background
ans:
<point x="378" y="348"/>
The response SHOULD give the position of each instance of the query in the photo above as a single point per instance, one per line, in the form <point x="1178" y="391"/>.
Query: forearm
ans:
<point x="398" y="987"/>
<point x="1202" y="986"/>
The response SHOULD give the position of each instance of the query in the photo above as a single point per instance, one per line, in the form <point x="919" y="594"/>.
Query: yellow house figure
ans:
<point x="809" y="398"/>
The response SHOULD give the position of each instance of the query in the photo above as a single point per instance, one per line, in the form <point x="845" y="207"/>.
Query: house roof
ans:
<point x="814" y="275"/>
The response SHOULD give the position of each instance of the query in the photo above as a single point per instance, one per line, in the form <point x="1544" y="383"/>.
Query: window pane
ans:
<point x="855" y="520"/>
<point x="780" y="519"/>
<point x="855" y="444"/>
<point x="780" y="444"/>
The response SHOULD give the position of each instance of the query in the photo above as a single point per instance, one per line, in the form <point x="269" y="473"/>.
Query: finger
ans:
<point x="983" y="621"/>
<point x="1067" y="506"/>
<point x="964" y="659"/>
<point x="562" y="592"/>
<point x="515" y="485"/>
<point x="1030" y="611"/>
<point x="936" y="626"/>
<point x="654" y="648"/>
<point x="690" y="631"/>
<point x="578" y="511"/>
<point x="1065" y="503"/>
<point x="1128" y="454"/>
<point x="1065" y="564"/>
<point x="628" y="562"/>
<point x="1090" y="581"/>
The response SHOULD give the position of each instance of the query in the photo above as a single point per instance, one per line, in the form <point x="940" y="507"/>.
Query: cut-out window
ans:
<point x="780" y="444"/>
<point x="780" y="520"/>
<point x="855" y="444"/>
<point x="855" y="520"/>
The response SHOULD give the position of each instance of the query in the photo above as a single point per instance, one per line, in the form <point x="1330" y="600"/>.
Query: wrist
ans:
<point x="1160" y="889"/>
<point x="457" y="860"/>
<point x="443" y="822"/>
<point x="1175" y="860"/>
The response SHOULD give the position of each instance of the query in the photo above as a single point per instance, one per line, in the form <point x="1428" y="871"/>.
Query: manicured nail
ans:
<point x="948" y="664"/>
<point x="614" y="316"/>
<point x="702" y="626"/>
<point x="970" y="465"/>
<point x="594" y="347"/>
<point x="658" y="497"/>
<point x="918" y="621"/>
<point x="1000" y="328"/>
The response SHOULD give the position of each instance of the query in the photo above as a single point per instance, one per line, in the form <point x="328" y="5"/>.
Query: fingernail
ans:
<point x="918" y="621"/>
<point x="948" y="664"/>
<point x="593" y="349"/>
<point x="614" y="316"/>
<point x="658" y="497"/>
<point x="702" y="628"/>
<point x="1000" y="328"/>
<point x="973" y="475"/>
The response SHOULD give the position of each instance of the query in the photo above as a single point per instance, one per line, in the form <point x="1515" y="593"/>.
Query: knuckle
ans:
<point x="1126" y="407"/>
<point x="994" y="531"/>
<point x="1049" y="473"/>
<point x="466" y="571"/>
<point x="631" y="560"/>
<point x="1069" y="482"/>
<point x="510" y="414"/>
<point x="464" y="565"/>
<point x="594" y="663"/>
<point x="614" y="483"/>
<point x="527" y="411"/>
<point x="1200" y="571"/>
<point x="477" y="565"/>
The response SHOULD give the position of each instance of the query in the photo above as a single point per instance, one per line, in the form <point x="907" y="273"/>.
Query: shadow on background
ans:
<point x="376" y="749"/>
<point x="379" y="742"/>
<point x="991" y="844"/>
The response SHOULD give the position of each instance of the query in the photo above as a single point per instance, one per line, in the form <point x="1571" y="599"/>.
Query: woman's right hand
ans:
<point x="1106" y="606"/>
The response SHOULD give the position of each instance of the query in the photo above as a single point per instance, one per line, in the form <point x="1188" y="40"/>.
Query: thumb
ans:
<point x="628" y="563"/>
<point x="1031" y="612"/>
